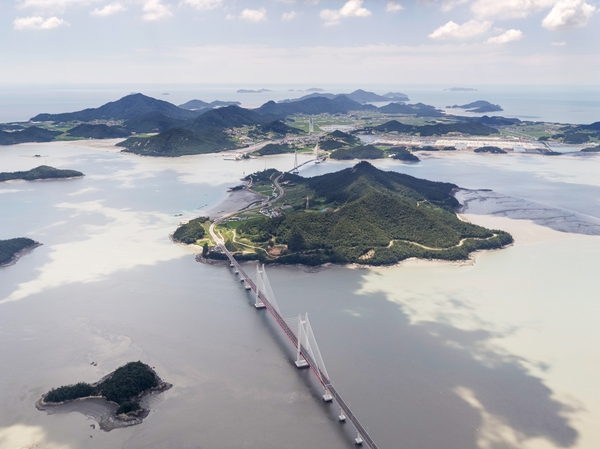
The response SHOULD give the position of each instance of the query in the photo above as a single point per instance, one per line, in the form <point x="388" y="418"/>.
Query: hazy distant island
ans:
<point x="359" y="215"/>
<point x="461" y="89"/>
<point x="12" y="249"/>
<point x="41" y="172"/>
<point x="250" y="91"/>
<point x="122" y="390"/>
<point x="479" y="107"/>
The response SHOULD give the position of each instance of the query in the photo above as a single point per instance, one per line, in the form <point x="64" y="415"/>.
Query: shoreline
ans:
<point x="15" y="258"/>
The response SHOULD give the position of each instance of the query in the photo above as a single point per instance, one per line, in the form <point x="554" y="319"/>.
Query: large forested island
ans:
<point x="358" y="215"/>
<point x="41" y="172"/>
<point x="125" y="387"/>
<point x="11" y="249"/>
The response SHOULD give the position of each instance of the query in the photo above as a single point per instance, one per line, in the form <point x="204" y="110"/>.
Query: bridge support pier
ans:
<point x="327" y="397"/>
<point x="358" y="440"/>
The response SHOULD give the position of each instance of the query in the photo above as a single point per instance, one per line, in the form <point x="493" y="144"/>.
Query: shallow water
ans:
<point x="498" y="354"/>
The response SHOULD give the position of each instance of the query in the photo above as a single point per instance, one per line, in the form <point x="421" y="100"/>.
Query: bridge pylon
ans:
<point x="302" y="342"/>
<point x="295" y="170"/>
<point x="260" y="286"/>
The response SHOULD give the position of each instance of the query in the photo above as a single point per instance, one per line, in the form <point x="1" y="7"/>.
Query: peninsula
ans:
<point x="359" y="215"/>
<point x="124" y="388"/>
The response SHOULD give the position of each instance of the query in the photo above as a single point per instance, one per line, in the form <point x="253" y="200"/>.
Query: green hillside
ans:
<point x="97" y="132"/>
<point x="274" y="148"/>
<point x="469" y="128"/>
<point x="360" y="215"/>
<point x="359" y="152"/>
<point x="179" y="142"/>
<point x="26" y="135"/>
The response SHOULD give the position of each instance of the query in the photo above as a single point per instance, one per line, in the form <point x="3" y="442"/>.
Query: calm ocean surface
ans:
<point x="500" y="353"/>
<point x="564" y="104"/>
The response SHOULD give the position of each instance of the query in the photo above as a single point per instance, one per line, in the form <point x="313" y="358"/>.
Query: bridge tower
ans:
<point x="260" y="286"/>
<point x="295" y="170"/>
<point x="311" y="126"/>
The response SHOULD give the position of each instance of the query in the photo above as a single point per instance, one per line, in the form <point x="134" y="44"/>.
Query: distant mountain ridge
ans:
<point x="130" y="107"/>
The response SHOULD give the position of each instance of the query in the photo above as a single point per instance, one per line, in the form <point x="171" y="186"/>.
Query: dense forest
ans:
<point x="359" y="152"/>
<point x="9" y="248"/>
<point x="191" y="232"/>
<point x="367" y="216"/>
<point x="274" y="148"/>
<point x="123" y="386"/>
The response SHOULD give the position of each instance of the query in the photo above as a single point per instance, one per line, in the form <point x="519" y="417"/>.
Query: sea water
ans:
<point x="502" y="352"/>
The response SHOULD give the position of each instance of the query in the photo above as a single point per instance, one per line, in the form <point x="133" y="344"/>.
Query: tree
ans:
<point x="205" y="250"/>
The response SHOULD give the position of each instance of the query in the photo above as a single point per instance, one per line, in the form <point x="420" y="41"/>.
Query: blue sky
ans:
<point x="302" y="41"/>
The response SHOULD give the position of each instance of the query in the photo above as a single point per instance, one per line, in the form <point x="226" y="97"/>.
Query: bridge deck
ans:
<point x="321" y="376"/>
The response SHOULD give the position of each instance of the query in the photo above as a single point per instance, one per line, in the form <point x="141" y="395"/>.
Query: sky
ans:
<point x="300" y="41"/>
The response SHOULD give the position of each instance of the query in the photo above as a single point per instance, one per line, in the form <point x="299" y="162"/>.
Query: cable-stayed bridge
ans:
<point x="299" y="331"/>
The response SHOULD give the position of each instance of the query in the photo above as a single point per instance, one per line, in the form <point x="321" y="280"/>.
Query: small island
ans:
<point x="12" y="249"/>
<point x="478" y="107"/>
<point x="41" y="172"/>
<point x="123" y="388"/>
<point x="461" y="89"/>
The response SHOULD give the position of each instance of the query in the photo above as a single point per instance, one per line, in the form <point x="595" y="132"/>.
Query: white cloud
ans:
<point x="108" y="10"/>
<point x="38" y="23"/>
<point x="287" y="16"/>
<point x="56" y="6"/>
<point x="507" y="36"/>
<point x="452" y="30"/>
<point x="508" y="9"/>
<point x="448" y="5"/>
<point x="155" y="10"/>
<point x="558" y="44"/>
<point x="254" y="15"/>
<point x="568" y="14"/>
<point x="394" y="7"/>
<point x="352" y="8"/>
<point x="202" y="5"/>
